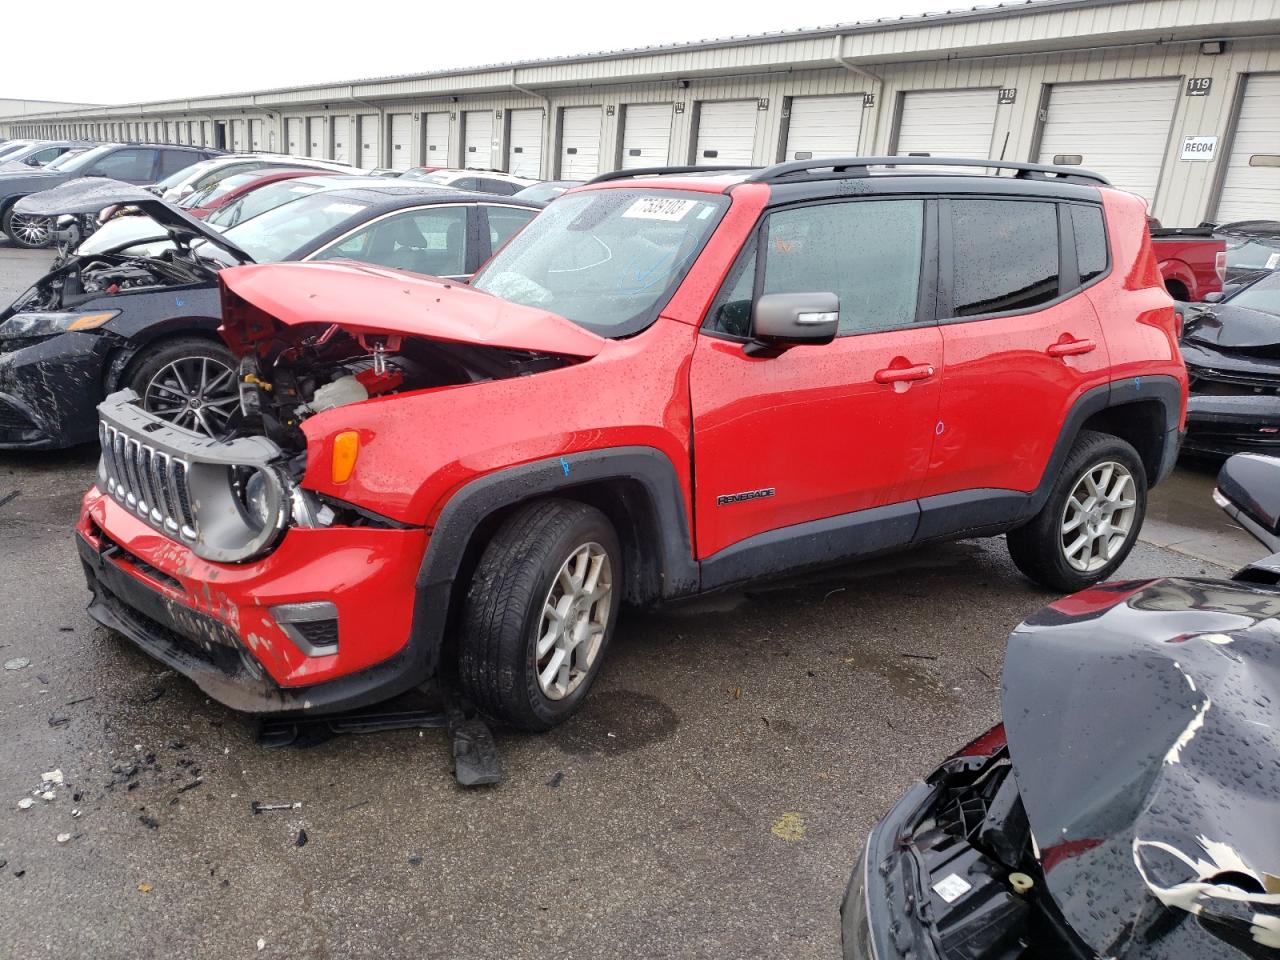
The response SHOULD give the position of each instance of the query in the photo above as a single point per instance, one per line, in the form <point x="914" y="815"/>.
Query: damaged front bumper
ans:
<point x="49" y="390"/>
<point x="234" y="629"/>
<point x="1223" y="425"/>
<point x="950" y="872"/>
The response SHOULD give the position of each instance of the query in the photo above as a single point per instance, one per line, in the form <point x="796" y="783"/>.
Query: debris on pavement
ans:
<point x="262" y="944"/>
<point x="789" y="827"/>
<point x="17" y="663"/>
<point x="48" y="795"/>
<point x="11" y="495"/>
<point x="53" y="776"/>
<point x="64" y="837"/>
<point x="145" y="888"/>
<point x="259" y="807"/>
<point x="25" y="803"/>
<point x="302" y="839"/>
<point x="556" y="780"/>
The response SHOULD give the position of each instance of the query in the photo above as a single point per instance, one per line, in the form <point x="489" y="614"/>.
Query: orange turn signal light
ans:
<point x="91" y="320"/>
<point x="346" y="447"/>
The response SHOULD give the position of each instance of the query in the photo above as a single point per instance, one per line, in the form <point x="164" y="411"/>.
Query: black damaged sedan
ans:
<point x="1128" y="807"/>
<point x="145" y="315"/>
<point x="1232" y="350"/>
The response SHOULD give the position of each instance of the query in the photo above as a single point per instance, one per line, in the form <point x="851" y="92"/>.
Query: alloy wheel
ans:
<point x="198" y="393"/>
<point x="30" y="231"/>
<point x="575" y="616"/>
<point x="1098" y="516"/>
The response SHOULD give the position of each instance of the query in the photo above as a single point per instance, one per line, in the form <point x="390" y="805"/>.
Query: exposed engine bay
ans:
<point x="87" y="278"/>
<point x="331" y="367"/>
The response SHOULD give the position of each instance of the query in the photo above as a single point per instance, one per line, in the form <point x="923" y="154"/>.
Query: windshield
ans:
<point x="277" y="234"/>
<point x="84" y="161"/>
<point x="540" y="192"/>
<point x="1263" y="254"/>
<point x="606" y="259"/>
<point x="1263" y="296"/>
<point x="183" y="175"/>
<point x="260" y="201"/>
<point x="219" y="188"/>
<point x="59" y="163"/>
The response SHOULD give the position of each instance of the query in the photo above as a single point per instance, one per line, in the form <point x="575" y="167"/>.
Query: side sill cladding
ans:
<point x="652" y="470"/>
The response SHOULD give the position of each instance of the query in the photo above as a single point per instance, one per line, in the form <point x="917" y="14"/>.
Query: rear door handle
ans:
<point x="922" y="371"/>
<point x="1070" y="348"/>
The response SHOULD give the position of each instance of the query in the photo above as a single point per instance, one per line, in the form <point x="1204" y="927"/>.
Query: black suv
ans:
<point x="137" y="163"/>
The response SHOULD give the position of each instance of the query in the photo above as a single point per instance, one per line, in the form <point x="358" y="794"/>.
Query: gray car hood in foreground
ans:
<point x="91" y="195"/>
<point x="1143" y="721"/>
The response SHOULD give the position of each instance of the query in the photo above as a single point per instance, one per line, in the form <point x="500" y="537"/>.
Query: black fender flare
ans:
<point x="481" y="498"/>
<point x="1165" y="390"/>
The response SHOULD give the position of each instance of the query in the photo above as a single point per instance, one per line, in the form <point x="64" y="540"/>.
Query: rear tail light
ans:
<point x="1220" y="265"/>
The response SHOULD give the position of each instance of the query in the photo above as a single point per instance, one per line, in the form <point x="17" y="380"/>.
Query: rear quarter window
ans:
<point x="1091" y="241"/>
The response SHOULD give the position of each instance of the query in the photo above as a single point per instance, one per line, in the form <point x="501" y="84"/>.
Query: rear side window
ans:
<point x="868" y="253"/>
<point x="171" y="161"/>
<point x="132" y="164"/>
<point x="1091" y="241"/>
<point x="1005" y="255"/>
<point x="506" y="222"/>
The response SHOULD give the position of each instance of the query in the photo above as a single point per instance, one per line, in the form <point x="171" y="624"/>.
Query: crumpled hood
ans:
<point x="91" y="195"/>
<point x="1143" y="722"/>
<point x="365" y="299"/>
<point x="1234" y="328"/>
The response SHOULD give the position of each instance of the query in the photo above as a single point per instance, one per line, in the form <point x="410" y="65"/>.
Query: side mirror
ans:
<point x="1249" y="491"/>
<point x="1215" y="297"/>
<point x="31" y="162"/>
<point x="781" y="320"/>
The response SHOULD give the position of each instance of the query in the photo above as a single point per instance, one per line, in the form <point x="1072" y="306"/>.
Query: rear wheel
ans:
<point x="1090" y="521"/>
<point x="27" y="231"/>
<point x="190" y="382"/>
<point x="539" y="613"/>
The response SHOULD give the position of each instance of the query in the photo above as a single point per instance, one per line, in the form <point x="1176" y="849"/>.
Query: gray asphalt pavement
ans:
<point x="708" y="802"/>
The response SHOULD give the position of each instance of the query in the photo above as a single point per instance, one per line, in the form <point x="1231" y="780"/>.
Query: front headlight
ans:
<point x="29" y="326"/>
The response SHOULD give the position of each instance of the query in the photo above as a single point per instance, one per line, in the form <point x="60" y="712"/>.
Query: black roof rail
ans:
<point x="842" y="167"/>
<point x="656" y="171"/>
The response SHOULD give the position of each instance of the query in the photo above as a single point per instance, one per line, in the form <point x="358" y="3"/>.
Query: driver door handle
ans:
<point x="1070" y="348"/>
<point x="921" y="371"/>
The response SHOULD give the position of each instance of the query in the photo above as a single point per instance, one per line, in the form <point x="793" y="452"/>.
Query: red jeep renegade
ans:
<point x="671" y="381"/>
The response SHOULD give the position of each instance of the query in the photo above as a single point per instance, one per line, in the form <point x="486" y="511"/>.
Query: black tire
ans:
<point x="154" y="359"/>
<point x="1037" y="548"/>
<point x="497" y="649"/>
<point x="6" y="224"/>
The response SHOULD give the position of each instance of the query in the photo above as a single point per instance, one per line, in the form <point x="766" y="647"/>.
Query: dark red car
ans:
<point x="666" y="384"/>
<point x="204" y="202"/>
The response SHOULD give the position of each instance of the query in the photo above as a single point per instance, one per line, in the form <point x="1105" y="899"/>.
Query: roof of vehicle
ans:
<point x="712" y="179"/>
<point x="389" y="194"/>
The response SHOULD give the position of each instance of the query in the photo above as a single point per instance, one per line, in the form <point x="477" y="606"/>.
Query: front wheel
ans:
<point x="539" y="613"/>
<point x="190" y="382"/>
<point x="27" y="231"/>
<point x="1091" y="520"/>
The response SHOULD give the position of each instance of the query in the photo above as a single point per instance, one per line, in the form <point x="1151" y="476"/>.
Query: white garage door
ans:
<point x="726" y="133"/>
<point x="1251" y="190"/>
<point x="342" y="139"/>
<point x="293" y="137"/>
<point x="401" y="141"/>
<point x="579" y="143"/>
<point x="369" y="153"/>
<point x="947" y="123"/>
<point x="824" y="127"/>
<point x="477" y="139"/>
<point x="436" y="153"/>
<point x="524" y="143"/>
<point x="646" y="135"/>
<point x="315" y="137"/>
<point x="255" y="135"/>
<point x="206" y="138"/>
<point x="1120" y="130"/>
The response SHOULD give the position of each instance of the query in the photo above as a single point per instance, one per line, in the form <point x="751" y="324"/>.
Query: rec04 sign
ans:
<point x="1198" y="148"/>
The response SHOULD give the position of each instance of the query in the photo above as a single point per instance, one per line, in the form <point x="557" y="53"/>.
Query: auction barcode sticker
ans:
<point x="660" y="208"/>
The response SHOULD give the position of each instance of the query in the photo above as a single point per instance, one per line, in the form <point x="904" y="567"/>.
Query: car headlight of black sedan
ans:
<point x="36" y="326"/>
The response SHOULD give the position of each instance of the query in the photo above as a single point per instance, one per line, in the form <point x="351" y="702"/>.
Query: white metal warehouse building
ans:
<point x="1177" y="100"/>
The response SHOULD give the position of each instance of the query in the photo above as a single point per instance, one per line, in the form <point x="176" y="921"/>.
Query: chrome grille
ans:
<point x="148" y="481"/>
